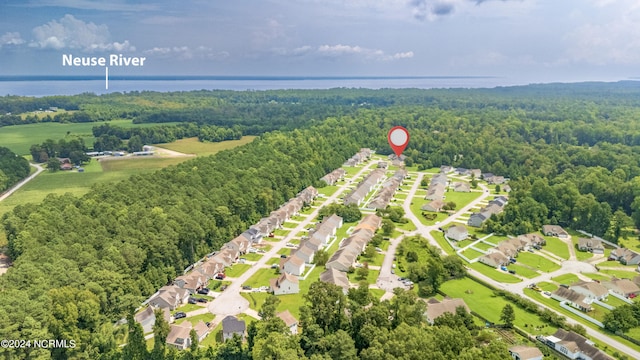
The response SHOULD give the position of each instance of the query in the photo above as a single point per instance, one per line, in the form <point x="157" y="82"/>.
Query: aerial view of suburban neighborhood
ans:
<point x="319" y="180"/>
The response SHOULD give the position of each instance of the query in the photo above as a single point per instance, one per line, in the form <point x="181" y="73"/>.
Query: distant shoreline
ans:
<point x="223" y="77"/>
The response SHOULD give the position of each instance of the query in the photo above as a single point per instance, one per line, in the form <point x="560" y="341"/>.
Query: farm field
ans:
<point x="193" y="146"/>
<point x="19" y="138"/>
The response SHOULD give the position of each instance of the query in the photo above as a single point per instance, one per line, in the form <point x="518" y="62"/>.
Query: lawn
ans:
<point x="236" y="270"/>
<point x="279" y="232"/>
<point x="261" y="278"/>
<point x="252" y="256"/>
<point x="275" y="260"/>
<point x="495" y="274"/>
<point x="483" y="246"/>
<point x="547" y="286"/>
<point x="446" y="247"/>
<point x="537" y="262"/>
<point x="193" y="146"/>
<point x="187" y="307"/>
<point x="416" y="205"/>
<point x="139" y="164"/>
<point x="19" y="138"/>
<point x="214" y="337"/>
<point x="409" y="226"/>
<point x="377" y="293"/>
<point x="461" y="199"/>
<point x="285" y="251"/>
<point x="523" y="271"/>
<point x="557" y="247"/>
<point x="372" y="276"/>
<point x="471" y="254"/>
<point x="567" y="279"/>
<point x="620" y="274"/>
<point x="583" y="255"/>
<point x="328" y="190"/>
<point x="481" y="300"/>
<point x="194" y="319"/>
<point x="375" y="261"/>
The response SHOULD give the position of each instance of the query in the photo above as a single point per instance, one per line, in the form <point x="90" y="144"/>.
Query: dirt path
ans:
<point x="17" y="186"/>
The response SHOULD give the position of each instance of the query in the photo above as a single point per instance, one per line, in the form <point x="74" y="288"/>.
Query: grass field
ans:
<point x="537" y="262"/>
<point x="483" y="246"/>
<point x="547" y="286"/>
<point x="328" y="190"/>
<point x="193" y="146"/>
<point x="461" y="198"/>
<point x="597" y="276"/>
<point x="557" y="247"/>
<point x="261" y="278"/>
<point x="523" y="271"/>
<point x="567" y="279"/>
<point x="471" y="254"/>
<point x="372" y="275"/>
<point x="252" y="256"/>
<point x="495" y="274"/>
<point x="482" y="300"/>
<point x="439" y="236"/>
<point x="19" y="138"/>
<point x="620" y="274"/>
<point x="236" y="270"/>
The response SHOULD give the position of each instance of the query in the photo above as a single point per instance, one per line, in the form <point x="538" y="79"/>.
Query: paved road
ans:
<point x="230" y="302"/>
<point x="17" y="186"/>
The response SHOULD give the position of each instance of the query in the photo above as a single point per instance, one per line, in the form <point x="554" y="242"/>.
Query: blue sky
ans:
<point x="534" y="40"/>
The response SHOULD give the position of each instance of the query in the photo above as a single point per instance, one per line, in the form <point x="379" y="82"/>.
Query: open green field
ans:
<point x="597" y="276"/>
<point x="483" y="246"/>
<point x="252" y="256"/>
<point x="416" y="205"/>
<point x="446" y="247"/>
<point x="557" y="247"/>
<point x="471" y="254"/>
<point x="19" y="138"/>
<point x="461" y="199"/>
<point x="261" y="278"/>
<point x="193" y="146"/>
<point x="236" y="270"/>
<point x="620" y="274"/>
<point x="537" y="262"/>
<point x="194" y="319"/>
<point x="567" y="279"/>
<point x="547" y="286"/>
<point x="482" y="300"/>
<point x="328" y="190"/>
<point x="497" y="275"/>
<point x="372" y="275"/>
<point x="140" y="164"/>
<point x="523" y="271"/>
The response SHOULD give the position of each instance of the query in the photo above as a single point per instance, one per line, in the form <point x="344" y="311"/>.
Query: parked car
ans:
<point x="378" y="249"/>
<point x="512" y="260"/>
<point x="201" y="300"/>
<point x="503" y="268"/>
<point x="203" y="291"/>
<point x="547" y="293"/>
<point x="192" y="300"/>
<point x="242" y="260"/>
<point x="260" y="251"/>
<point x="223" y="287"/>
<point x="512" y="271"/>
<point x="274" y="266"/>
<point x="179" y="315"/>
<point x="283" y="256"/>
<point x="393" y="271"/>
<point x="246" y="287"/>
<point x="252" y="250"/>
<point x="220" y="276"/>
<point x="271" y="235"/>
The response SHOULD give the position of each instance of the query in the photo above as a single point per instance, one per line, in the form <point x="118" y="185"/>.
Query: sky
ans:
<point x="536" y="40"/>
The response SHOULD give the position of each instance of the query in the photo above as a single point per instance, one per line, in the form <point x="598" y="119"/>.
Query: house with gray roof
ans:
<point x="494" y="259"/>
<point x="590" y="289"/>
<point x="285" y="284"/>
<point x="179" y="335"/>
<point x="436" y="308"/>
<point x="574" y="346"/>
<point x="521" y="352"/>
<point x="573" y="298"/>
<point x="335" y="277"/>
<point x="591" y="245"/>
<point x="294" y="264"/>
<point x="233" y="326"/>
<point x="289" y="321"/>
<point x="623" y="287"/>
<point x="457" y="233"/>
<point x="554" y="230"/>
<point x="147" y="318"/>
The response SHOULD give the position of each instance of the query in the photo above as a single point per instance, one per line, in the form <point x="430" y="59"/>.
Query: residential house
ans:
<point x="521" y="352"/>
<point x="439" y="179"/>
<point x="253" y="235"/>
<point x="436" y="192"/>
<point x="289" y="321"/>
<point x="384" y="196"/>
<point x="496" y="180"/>
<point x="232" y="326"/>
<point x="476" y="173"/>
<point x="624" y="287"/>
<point x="575" y="299"/>
<point x="210" y="268"/>
<point x="147" y="318"/>
<point x="370" y="222"/>
<point x="335" y="277"/>
<point x="554" y="230"/>
<point x="306" y="253"/>
<point x="314" y="243"/>
<point x="327" y="228"/>
<point x="202" y="330"/>
<point x="590" y="289"/>
<point x="628" y="257"/>
<point x="494" y="259"/>
<point x="461" y="187"/>
<point x="501" y="201"/>
<point x="445" y="169"/>
<point x="532" y="239"/>
<point x="436" y="308"/>
<point x="506" y="188"/>
<point x="487" y="176"/>
<point x="333" y="177"/>
<point x="293" y="265"/>
<point x="462" y="171"/>
<point x="240" y="244"/>
<point x="574" y="346"/>
<point x="495" y="206"/>
<point x="65" y="164"/>
<point x="433" y="206"/>
<point x="191" y="282"/>
<point x="457" y="233"/>
<point x="170" y="297"/>
<point x="507" y="249"/>
<point x="342" y="259"/>
<point x="179" y="335"/>
<point x="285" y="284"/>
<point x="518" y="243"/>
<point x="364" y="187"/>
<point x="308" y="194"/>
<point x="477" y="219"/>
<point x="592" y="245"/>
<point x="383" y="164"/>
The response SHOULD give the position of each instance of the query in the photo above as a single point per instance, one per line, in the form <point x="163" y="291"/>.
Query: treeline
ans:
<point x="74" y="149"/>
<point x="108" y="136"/>
<point x="102" y="254"/>
<point x="13" y="168"/>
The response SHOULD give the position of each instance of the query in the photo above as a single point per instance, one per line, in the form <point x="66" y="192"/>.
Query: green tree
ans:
<point x="53" y="164"/>
<point x="268" y="309"/>
<point x="321" y="257"/>
<point x="160" y="332"/>
<point x="134" y="144"/>
<point x="136" y="347"/>
<point x="508" y="315"/>
<point x="362" y="273"/>
<point x="388" y="227"/>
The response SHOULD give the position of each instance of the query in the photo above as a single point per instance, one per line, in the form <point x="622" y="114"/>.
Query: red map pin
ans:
<point x="398" y="139"/>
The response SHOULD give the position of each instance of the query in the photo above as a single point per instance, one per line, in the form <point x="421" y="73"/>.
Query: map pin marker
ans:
<point x="398" y="139"/>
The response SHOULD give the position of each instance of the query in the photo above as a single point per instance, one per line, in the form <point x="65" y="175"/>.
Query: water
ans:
<point x="49" y="85"/>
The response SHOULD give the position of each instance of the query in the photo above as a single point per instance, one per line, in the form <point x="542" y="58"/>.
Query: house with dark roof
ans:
<point x="285" y="284"/>
<point x="436" y="308"/>
<point x="233" y="326"/>
<point x="574" y="346"/>
<point x="147" y="318"/>
<point x="253" y="235"/>
<point x="289" y="321"/>
<point x="495" y="206"/>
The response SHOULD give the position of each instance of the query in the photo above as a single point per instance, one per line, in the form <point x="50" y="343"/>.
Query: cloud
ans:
<point x="92" y="5"/>
<point x="340" y="50"/>
<point x="187" y="53"/>
<point x="11" y="38"/>
<point x="72" y="33"/>
<point x="433" y="9"/>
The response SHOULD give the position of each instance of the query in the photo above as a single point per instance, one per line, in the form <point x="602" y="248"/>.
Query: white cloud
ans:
<point x="72" y="33"/>
<point x="11" y="38"/>
<point x="187" y="53"/>
<point x="340" y="50"/>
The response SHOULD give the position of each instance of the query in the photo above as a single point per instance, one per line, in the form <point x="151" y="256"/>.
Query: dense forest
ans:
<point x="81" y="263"/>
<point x="12" y="168"/>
